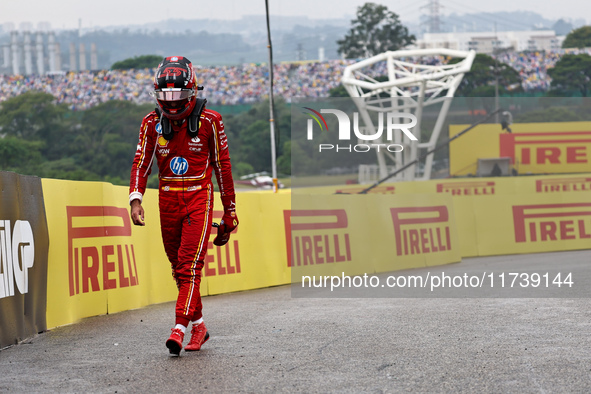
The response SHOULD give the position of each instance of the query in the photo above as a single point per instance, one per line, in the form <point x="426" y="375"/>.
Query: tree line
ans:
<point x="41" y="137"/>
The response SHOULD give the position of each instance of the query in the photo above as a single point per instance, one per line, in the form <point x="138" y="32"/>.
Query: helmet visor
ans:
<point x="172" y="94"/>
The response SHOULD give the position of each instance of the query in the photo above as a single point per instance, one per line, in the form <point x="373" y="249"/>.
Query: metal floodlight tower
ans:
<point x="412" y="84"/>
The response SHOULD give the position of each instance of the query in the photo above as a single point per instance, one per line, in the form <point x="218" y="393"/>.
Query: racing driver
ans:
<point x="188" y="141"/>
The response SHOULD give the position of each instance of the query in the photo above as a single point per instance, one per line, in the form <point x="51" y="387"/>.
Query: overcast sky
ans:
<point x="66" y="13"/>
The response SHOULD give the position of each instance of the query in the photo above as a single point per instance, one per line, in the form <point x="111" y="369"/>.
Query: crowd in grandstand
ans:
<point x="533" y="66"/>
<point x="82" y="90"/>
<point x="241" y="84"/>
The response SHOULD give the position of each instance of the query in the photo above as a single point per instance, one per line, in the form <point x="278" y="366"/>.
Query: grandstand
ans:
<point x="240" y="84"/>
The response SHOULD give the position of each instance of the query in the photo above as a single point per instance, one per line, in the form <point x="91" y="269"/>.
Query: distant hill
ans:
<point x="293" y="38"/>
<point x="485" y="21"/>
<point x="117" y="45"/>
<point x="213" y="41"/>
<point x="247" y="25"/>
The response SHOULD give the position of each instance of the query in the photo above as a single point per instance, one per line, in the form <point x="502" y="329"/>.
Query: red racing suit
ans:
<point x="185" y="195"/>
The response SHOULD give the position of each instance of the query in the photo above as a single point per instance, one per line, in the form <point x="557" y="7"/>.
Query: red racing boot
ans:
<point x="175" y="341"/>
<point x="199" y="336"/>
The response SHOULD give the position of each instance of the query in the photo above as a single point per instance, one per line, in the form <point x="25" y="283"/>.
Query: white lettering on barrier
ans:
<point x="17" y="256"/>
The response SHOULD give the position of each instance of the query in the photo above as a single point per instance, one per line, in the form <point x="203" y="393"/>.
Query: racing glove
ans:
<point x="229" y="221"/>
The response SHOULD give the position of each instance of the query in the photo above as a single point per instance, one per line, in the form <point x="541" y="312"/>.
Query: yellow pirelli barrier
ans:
<point x="255" y="255"/>
<point x="488" y="211"/>
<point x="464" y="193"/>
<point x="476" y="204"/>
<point x="534" y="148"/>
<point x="100" y="263"/>
<point x="357" y="234"/>
<point x="532" y="223"/>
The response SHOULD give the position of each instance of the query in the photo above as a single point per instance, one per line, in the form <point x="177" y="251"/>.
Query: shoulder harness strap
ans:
<point x="165" y="125"/>
<point x="193" y="129"/>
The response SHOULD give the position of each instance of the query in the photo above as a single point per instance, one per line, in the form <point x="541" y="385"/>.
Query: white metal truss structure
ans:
<point x="416" y="79"/>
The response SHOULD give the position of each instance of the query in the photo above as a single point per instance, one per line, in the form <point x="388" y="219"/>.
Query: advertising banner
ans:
<point x="255" y="255"/>
<point x="533" y="223"/>
<point x="24" y="243"/>
<point x="534" y="148"/>
<point x="354" y="235"/>
<point x="99" y="262"/>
